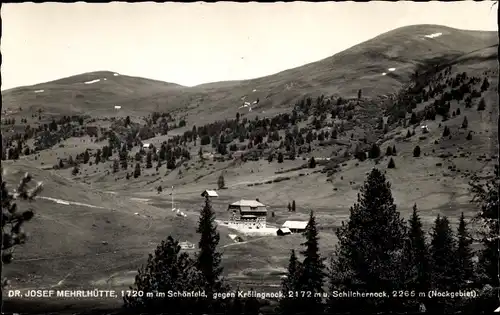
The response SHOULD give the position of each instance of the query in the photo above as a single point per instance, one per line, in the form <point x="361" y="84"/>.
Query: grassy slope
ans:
<point x="68" y="239"/>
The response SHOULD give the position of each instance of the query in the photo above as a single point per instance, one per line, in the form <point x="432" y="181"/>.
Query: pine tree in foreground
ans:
<point x="167" y="269"/>
<point x="208" y="258"/>
<point x="290" y="284"/>
<point x="444" y="264"/>
<point x="464" y="254"/>
<point x="312" y="271"/>
<point x="12" y="220"/>
<point x="416" y="260"/>
<point x="486" y="196"/>
<point x="442" y="251"/>
<point x="368" y="257"/>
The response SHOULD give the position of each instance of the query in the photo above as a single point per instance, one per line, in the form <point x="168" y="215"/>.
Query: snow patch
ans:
<point x="118" y="107"/>
<point x="115" y="74"/>
<point x="67" y="203"/>
<point x="434" y="35"/>
<point x="105" y="79"/>
<point x="39" y="91"/>
<point x="384" y="73"/>
<point x="93" y="81"/>
<point x="254" y="90"/>
<point x="391" y="69"/>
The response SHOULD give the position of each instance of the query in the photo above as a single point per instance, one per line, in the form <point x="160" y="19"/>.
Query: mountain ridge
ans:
<point x="420" y="28"/>
<point x="379" y="66"/>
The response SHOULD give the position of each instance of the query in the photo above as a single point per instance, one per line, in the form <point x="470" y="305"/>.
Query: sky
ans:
<point x="195" y="43"/>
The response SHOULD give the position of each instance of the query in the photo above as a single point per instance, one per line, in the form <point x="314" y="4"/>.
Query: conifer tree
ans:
<point x="486" y="196"/>
<point x="444" y="264"/>
<point x="368" y="257"/>
<point x="98" y="156"/>
<point x="208" y="258"/>
<point x="86" y="157"/>
<point x="116" y="166"/>
<point x="166" y="269"/>
<point x="137" y="170"/>
<point x="469" y="136"/>
<point x="237" y="306"/>
<point x="442" y="251"/>
<point x="374" y="151"/>
<point x="388" y="152"/>
<point x="391" y="164"/>
<point x="416" y="257"/>
<point x="290" y="284"/>
<point x="481" y="105"/>
<point x="312" y="272"/>
<point x="464" y="254"/>
<point x="294" y="206"/>
<point x="485" y="85"/>
<point x="413" y="119"/>
<point x="446" y="131"/>
<point x="171" y="161"/>
<point x="13" y="220"/>
<point x="280" y="157"/>
<point x="220" y="182"/>
<point x="465" y="123"/>
<point x="289" y="207"/>
<point x="416" y="151"/>
<point x="251" y="305"/>
<point x="149" y="160"/>
<point x="312" y="162"/>
<point x="123" y="155"/>
<point x="394" y="150"/>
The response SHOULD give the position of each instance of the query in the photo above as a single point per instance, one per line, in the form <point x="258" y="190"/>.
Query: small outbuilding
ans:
<point x="283" y="231"/>
<point x="209" y="193"/>
<point x="295" y="226"/>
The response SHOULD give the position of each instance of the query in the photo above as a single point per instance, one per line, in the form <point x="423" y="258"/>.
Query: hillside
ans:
<point x="311" y="140"/>
<point x="359" y="67"/>
<point x="79" y="233"/>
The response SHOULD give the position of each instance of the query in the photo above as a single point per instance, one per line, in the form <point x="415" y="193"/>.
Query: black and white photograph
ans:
<point x="251" y="158"/>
